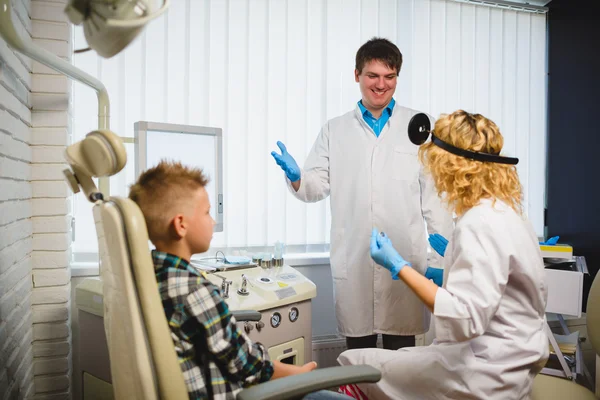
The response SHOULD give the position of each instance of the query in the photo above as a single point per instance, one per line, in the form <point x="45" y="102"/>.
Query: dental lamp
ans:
<point x="110" y="25"/>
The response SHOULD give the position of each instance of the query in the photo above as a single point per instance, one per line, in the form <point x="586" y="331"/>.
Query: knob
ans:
<point x="225" y="288"/>
<point x="243" y="291"/>
<point x="71" y="180"/>
<point x="248" y="327"/>
<point x="260" y="325"/>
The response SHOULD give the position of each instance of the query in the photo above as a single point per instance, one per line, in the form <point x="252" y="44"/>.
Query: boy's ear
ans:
<point x="179" y="225"/>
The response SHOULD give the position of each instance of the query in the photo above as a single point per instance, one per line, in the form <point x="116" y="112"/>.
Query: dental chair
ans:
<point x="550" y="387"/>
<point x="143" y="361"/>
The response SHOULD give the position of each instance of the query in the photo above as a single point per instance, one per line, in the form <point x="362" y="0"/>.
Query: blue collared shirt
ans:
<point x="377" y="124"/>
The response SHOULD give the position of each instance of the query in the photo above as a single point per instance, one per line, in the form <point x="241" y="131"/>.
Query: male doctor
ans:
<point x="366" y="162"/>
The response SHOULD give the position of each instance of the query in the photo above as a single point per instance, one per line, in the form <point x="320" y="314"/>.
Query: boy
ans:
<point x="176" y="208"/>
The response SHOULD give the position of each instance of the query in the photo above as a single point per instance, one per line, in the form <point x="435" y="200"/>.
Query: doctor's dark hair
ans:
<point x="163" y="191"/>
<point x="379" y="49"/>
<point x="463" y="182"/>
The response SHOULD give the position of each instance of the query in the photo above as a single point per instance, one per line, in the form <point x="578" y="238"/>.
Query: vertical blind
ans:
<point x="268" y="70"/>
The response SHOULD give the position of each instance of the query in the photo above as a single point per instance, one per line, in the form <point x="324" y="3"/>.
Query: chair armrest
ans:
<point x="246" y="315"/>
<point x="297" y="386"/>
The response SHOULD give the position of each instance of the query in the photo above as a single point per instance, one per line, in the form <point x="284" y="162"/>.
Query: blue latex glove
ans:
<point x="551" y="242"/>
<point x="435" y="274"/>
<point x="438" y="243"/>
<point x="287" y="163"/>
<point x="384" y="254"/>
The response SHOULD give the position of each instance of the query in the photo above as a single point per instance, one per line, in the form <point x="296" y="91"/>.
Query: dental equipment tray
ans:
<point x="219" y="266"/>
<point x="562" y="266"/>
<point x="233" y="267"/>
<point x="575" y="264"/>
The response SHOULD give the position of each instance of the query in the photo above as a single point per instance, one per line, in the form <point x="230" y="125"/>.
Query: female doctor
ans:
<point x="489" y="314"/>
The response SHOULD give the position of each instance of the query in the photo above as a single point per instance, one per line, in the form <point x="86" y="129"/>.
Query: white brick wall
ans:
<point x="49" y="313"/>
<point x="50" y="259"/>
<point x="50" y="189"/>
<point x="35" y="208"/>
<point x="48" y="11"/>
<point x="16" y="226"/>
<point x="49" y="136"/>
<point x="51" y="208"/>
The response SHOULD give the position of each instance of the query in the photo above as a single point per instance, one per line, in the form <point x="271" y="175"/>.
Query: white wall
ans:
<point x="34" y="211"/>
<point x="51" y="206"/>
<point x="268" y="70"/>
<point x="16" y="227"/>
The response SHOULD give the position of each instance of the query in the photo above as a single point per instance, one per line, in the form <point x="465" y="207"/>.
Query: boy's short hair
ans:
<point x="379" y="49"/>
<point x="163" y="191"/>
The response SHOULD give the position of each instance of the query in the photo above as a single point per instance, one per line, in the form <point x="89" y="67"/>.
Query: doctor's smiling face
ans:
<point x="377" y="83"/>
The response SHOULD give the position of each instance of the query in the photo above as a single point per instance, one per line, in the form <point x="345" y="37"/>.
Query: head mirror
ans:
<point x="419" y="128"/>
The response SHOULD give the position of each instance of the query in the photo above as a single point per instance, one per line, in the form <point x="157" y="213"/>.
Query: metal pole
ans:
<point x="28" y="48"/>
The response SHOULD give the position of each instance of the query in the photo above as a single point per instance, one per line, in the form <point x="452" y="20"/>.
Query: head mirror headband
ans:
<point x="419" y="129"/>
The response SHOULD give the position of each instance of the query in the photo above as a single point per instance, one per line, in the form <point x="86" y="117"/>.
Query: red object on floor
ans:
<point x="353" y="391"/>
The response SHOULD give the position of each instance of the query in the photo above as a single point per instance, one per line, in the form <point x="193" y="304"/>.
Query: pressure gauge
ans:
<point x="275" y="319"/>
<point x="294" y="314"/>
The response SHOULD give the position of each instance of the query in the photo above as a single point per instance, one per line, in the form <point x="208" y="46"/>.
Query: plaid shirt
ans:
<point x="199" y="317"/>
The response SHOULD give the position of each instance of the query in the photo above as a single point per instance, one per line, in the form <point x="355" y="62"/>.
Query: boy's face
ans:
<point x="377" y="84"/>
<point x="201" y="224"/>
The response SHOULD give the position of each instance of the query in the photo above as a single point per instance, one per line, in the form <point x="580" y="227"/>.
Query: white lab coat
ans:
<point x="489" y="318"/>
<point x="374" y="182"/>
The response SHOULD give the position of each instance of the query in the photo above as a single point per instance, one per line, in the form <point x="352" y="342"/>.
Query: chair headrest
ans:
<point x="593" y="314"/>
<point x="100" y="154"/>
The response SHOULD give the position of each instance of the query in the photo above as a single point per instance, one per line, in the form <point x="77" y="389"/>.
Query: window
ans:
<point x="277" y="70"/>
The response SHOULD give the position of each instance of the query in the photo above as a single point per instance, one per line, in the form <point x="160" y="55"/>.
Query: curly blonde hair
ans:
<point x="463" y="182"/>
<point x="163" y="191"/>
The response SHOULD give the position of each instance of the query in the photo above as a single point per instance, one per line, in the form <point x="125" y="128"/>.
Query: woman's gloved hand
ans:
<point x="384" y="254"/>
<point x="435" y="274"/>
<point x="287" y="163"/>
<point x="438" y="243"/>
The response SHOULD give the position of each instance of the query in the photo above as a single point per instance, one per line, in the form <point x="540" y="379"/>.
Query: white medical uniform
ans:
<point x="374" y="182"/>
<point x="489" y="318"/>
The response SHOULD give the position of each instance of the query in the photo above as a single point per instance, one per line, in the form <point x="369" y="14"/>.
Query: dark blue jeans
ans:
<point x="326" y="395"/>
